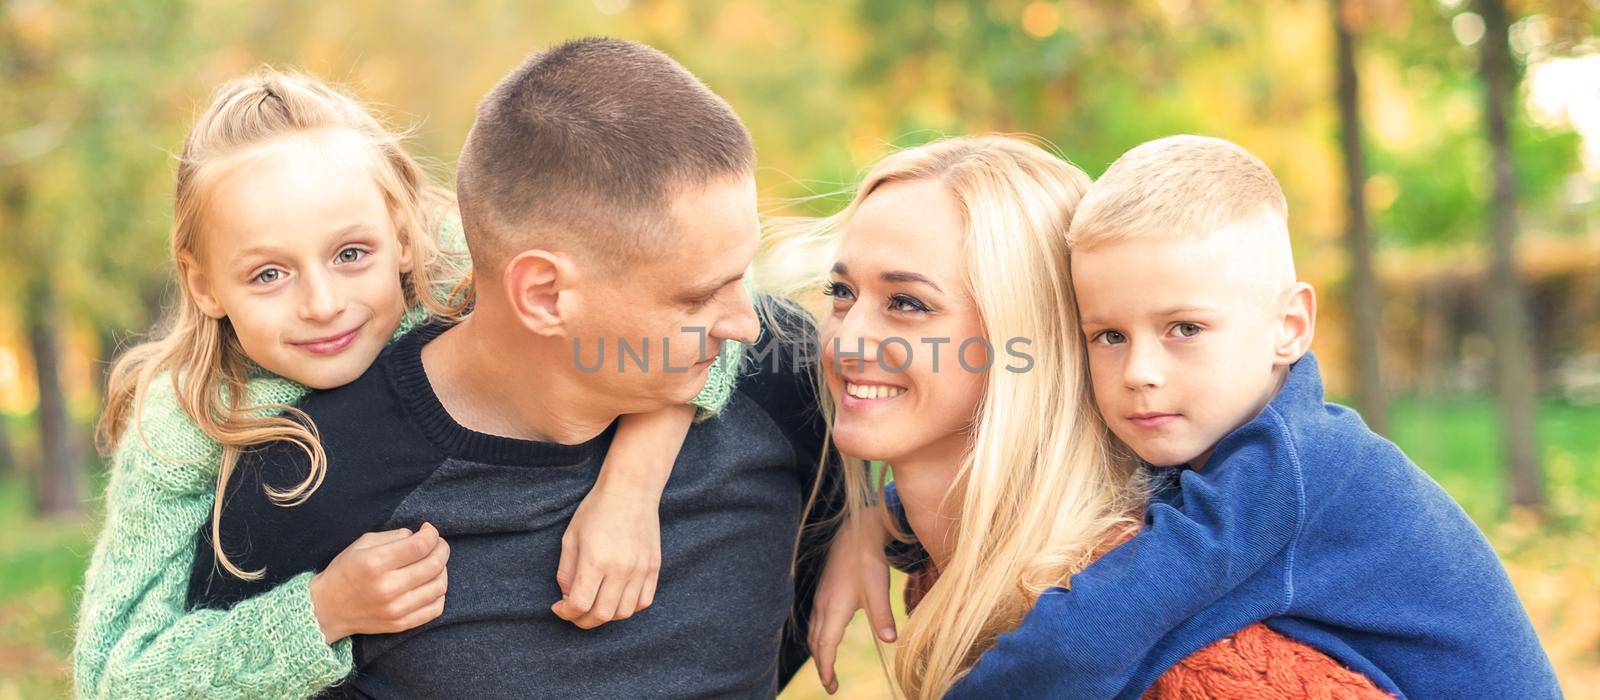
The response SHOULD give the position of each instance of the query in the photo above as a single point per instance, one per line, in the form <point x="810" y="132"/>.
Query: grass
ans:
<point x="1551" y="561"/>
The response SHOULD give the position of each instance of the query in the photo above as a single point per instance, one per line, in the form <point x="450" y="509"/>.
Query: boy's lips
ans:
<point x="1152" y="419"/>
<point x="331" y="344"/>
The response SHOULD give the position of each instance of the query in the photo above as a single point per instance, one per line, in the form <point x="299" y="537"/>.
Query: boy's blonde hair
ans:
<point x="201" y="356"/>
<point x="1181" y="187"/>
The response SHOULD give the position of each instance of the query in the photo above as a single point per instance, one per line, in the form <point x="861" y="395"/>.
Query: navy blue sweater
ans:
<point x="1307" y="520"/>
<point x="729" y="614"/>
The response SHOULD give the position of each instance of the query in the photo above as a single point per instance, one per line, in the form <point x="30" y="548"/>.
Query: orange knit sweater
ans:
<point x="1254" y="662"/>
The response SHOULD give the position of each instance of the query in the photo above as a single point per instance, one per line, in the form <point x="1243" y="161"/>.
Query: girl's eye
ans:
<point x="905" y="304"/>
<point x="838" y="291"/>
<point x="350" y="255"/>
<point x="268" y="276"/>
<point x="1111" y="338"/>
<point x="1186" y="330"/>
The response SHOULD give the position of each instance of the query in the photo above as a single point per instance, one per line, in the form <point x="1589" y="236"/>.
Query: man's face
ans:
<point x="673" y="311"/>
<point x="1180" y="337"/>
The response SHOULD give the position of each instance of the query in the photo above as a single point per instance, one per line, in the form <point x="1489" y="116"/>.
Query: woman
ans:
<point x="952" y="354"/>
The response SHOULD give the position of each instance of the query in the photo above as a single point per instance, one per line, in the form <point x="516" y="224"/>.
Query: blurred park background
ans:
<point x="1441" y="158"/>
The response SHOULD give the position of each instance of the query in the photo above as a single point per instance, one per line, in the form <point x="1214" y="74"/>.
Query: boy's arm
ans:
<point x="611" y="552"/>
<point x="1234" y="519"/>
<point x="134" y="638"/>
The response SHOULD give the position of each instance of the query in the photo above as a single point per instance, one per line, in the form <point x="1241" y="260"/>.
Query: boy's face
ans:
<point x="1187" y="339"/>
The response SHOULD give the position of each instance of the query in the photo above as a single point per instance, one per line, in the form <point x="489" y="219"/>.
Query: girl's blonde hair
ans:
<point x="200" y="355"/>
<point x="1042" y="486"/>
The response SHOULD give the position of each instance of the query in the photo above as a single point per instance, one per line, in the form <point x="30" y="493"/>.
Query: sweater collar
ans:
<point x="410" y="382"/>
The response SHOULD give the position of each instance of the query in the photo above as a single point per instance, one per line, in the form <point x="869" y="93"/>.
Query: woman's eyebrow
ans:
<point x="900" y="276"/>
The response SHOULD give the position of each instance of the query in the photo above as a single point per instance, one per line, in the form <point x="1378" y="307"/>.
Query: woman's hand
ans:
<point x="383" y="582"/>
<point x="855" y="576"/>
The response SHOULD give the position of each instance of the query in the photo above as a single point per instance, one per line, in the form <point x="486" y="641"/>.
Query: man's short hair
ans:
<point x="1181" y="187"/>
<point x="583" y="147"/>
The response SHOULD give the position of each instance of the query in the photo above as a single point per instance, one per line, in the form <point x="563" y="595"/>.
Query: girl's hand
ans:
<point x="610" y="556"/>
<point x="383" y="582"/>
<point x="611" y="552"/>
<point x="855" y="576"/>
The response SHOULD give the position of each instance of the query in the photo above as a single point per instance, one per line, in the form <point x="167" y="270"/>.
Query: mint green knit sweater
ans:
<point x="134" y="638"/>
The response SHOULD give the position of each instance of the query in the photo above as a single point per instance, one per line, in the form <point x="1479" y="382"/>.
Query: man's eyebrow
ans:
<point x="708" y="290"/>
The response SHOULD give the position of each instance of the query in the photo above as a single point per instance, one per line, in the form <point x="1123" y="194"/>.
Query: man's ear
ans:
<point x="199" y="287"/>
<point x="1298" y="324"/>
<point x="536" y="282"/>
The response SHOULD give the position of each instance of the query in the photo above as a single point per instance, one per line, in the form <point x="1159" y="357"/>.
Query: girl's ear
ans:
<point x="406" y="259"/>
<point x="199" y="288"/>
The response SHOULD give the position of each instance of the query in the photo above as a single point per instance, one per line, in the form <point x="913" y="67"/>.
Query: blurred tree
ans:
<point x="1516" y="383"/>
<point x="1362" y="281"/>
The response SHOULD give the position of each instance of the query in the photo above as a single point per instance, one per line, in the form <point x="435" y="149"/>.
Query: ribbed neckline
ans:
<point x="416" y="394"/>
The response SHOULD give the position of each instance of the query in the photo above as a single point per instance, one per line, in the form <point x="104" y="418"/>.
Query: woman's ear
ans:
<point x="199" y="287"/>
<point x="535" y="281"/>
<point x="1299" y="324"/>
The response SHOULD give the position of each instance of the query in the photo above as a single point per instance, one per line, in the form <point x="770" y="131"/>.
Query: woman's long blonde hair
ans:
<point x="200" y="355"/>
<point x="1042" y="487"/>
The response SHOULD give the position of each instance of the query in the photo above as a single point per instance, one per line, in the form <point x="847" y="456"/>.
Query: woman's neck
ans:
<point x="926" y="490"/>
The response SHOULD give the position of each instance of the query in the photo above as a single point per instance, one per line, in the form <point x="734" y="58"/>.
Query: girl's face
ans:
<point x="300" y="254"/>
<point x="903" y="386"/>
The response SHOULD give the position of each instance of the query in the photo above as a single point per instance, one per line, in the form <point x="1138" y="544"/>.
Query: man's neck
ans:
<point x="491" y="385"/>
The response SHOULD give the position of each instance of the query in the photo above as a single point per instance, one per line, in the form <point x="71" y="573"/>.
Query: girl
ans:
<point x="305" y="239"/>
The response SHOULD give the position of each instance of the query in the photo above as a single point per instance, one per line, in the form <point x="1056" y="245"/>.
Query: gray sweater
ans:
<point x="724" y="623"/>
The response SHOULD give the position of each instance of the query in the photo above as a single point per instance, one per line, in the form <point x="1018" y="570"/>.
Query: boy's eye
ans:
<point x="1186" y="330"/>
<point x="267" y="276"/>
<point x="1110" y="338"/>
<point x="350" y="255"/>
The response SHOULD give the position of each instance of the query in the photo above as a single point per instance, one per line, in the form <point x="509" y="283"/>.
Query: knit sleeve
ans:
<point x="1257" y="662"/>
<point x="134" y="638"/>
<point x="722" y="380"/>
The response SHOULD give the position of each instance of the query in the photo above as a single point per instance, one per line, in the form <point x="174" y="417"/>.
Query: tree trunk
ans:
<point x="57" y="490"/>
<point x="1362" y="283"/>
<point x="1516" y="383"/>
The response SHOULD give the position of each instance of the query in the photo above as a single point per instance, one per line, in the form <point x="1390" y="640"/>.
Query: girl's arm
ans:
<point x="134" y="637"/>
<point x="611" y="552"/>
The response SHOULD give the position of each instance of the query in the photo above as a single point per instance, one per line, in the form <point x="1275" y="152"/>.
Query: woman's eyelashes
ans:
<point x="843" y="295"/>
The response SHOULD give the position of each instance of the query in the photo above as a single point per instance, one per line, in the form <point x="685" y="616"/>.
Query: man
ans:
<point x="607" y="196"/>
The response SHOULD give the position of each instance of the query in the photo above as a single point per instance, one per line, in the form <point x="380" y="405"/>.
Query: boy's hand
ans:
<point x="610" y="556"/>
<point x="383" y="582"/>
<point x="855" y="576"/>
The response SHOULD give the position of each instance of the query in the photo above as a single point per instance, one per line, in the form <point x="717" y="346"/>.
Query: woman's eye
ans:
<point x="838" y="291"/>
<point x="267" y="276"/>
<point x="350" y="255"/>
<point x="903" y="303"/>
<point x="1186" y="330"/>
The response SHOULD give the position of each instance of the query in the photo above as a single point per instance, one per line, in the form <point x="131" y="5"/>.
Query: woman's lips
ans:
<point x="332" y="344"/>
<point x="1153" y="420"/>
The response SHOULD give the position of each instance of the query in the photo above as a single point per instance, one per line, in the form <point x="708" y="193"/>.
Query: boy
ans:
<point x="1272" y="505"/>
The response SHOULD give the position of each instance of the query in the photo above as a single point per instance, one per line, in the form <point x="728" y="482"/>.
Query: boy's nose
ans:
<point x="1143" y="370"/>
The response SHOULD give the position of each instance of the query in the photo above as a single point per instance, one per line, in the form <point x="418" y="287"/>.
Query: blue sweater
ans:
<point x="1305" y="519"/>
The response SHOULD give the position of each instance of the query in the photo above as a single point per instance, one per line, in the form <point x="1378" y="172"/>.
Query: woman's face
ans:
<point x="903" y="350"/>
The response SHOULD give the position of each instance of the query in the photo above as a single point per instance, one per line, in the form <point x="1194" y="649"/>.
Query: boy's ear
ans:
<point x="1298" y="325"/>
<point x="536" y="281"/>
<point x="199" y="287"/>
